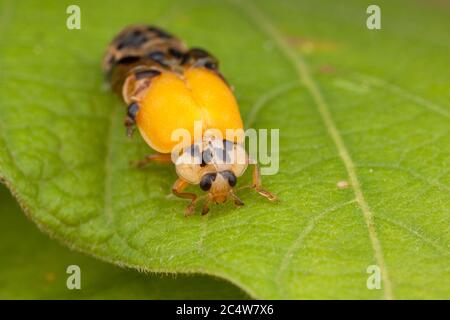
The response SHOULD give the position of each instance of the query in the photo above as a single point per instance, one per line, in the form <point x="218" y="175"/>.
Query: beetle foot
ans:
<point x="190" y="210"/>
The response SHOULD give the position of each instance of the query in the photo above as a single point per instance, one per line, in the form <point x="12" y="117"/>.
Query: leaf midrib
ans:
<point x="306" y="79"/>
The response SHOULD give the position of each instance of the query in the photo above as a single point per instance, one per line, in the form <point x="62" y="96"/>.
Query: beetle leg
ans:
<point x="258" y="187"/>
<point x="177" y="190"/>
<point x="157" y="157"/>
<point x="205" y="208"/>
<point x="236" y="199"/>
<point x="130" y="119"/>
<point x="129" y="124"/>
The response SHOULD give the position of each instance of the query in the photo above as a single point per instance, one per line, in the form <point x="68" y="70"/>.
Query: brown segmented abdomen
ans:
<point x="139" y="54"/>
<point x="138" y="48"/>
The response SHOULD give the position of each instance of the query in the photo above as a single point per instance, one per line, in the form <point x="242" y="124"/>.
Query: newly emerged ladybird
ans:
<point x="167" y="87"/>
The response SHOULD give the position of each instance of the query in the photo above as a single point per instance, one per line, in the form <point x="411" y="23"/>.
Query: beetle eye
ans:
<point x="230" y="177"/>
<point x="207" y="180"/>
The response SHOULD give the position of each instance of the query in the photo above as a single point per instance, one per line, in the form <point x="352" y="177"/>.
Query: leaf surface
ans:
<point x="362" y="109"/>
<point x="34" y="267"/>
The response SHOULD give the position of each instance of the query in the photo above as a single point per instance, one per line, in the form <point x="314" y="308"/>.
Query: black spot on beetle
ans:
<point x="160" y="33"/>
<point x="146" y="74"/>
<point x="207" y="157"/>
<point x="211" y="65"/>
<point x="128" y="60"/>
<point x="207" y="180"/>
<point x="157" y="56"/>
<point x="133" y="110"/>
<point x="230" y="177"/>
<point x="194" y="150"/>
<point x="222" y="155"/>
<point x="198" y="53"/>
<point x="133" y="39"/>
<point x="194" y="54"/>
<point x="176" y="53"/>
<point x="228" y="145"/>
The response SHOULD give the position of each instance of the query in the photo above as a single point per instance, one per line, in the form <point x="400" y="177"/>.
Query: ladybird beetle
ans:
<point x="167" y="86"/>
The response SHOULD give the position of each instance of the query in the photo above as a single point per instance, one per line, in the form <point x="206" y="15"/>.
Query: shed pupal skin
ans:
<point x="168" y="86"/>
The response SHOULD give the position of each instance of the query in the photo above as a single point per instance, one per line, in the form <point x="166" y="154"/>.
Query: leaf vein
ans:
<point x="304" y="77"/>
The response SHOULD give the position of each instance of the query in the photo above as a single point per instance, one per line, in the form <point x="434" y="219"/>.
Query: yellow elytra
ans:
<point x="176" y="101"/>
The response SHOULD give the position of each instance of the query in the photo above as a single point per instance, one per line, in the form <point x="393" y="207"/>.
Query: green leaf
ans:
<point x="367" y="107"/>
<point x="34" y="267"/>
